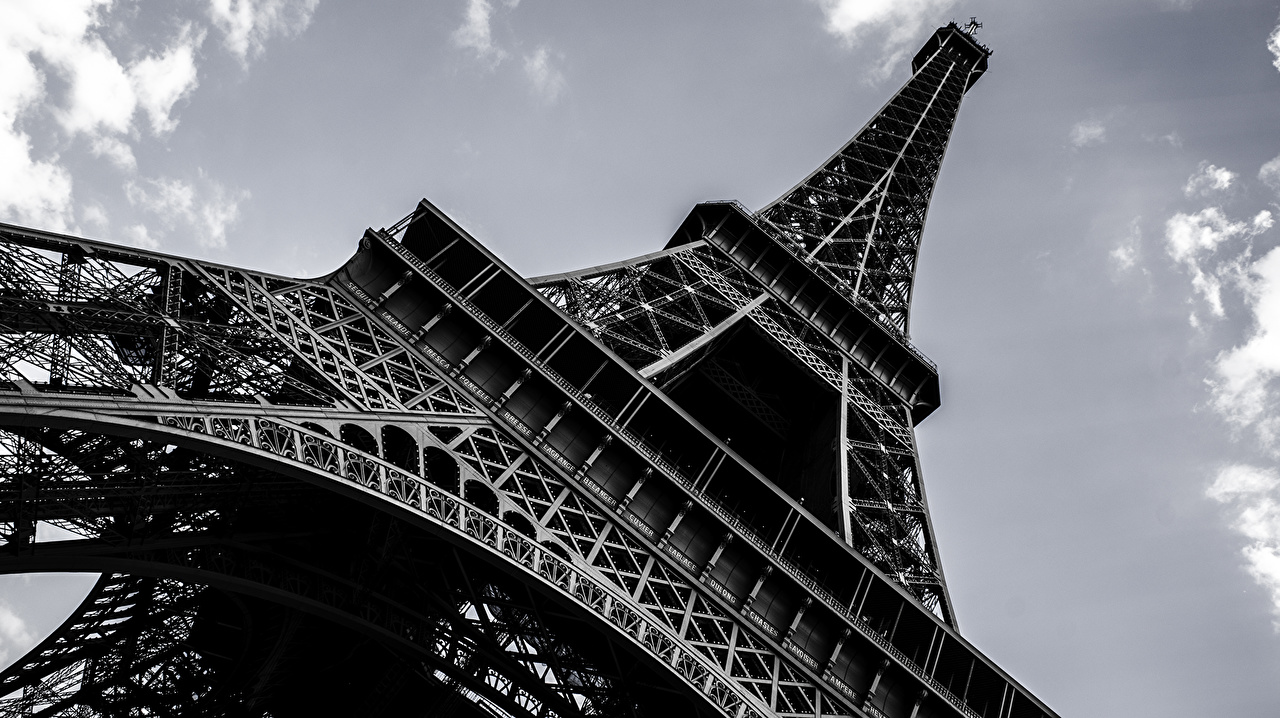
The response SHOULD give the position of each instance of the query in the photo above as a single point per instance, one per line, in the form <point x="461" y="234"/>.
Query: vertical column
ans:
<point x="165" y="361"/>
<point x="842" y="451"/>
<point x="68" y="291"/>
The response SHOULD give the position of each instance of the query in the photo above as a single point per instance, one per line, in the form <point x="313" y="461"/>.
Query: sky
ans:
<point x="1099" y="280"/>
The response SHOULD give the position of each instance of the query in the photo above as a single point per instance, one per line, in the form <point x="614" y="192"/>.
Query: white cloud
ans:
<point x="101" y="98"/>
<point x="34" y="191"/>
<point x="139" y="236"/>
<point x="1273" y="44"/>
<point x="1125" y="254"/>
<point x="95" y="215"/>
<point x="1243" y="385"/>
<point x="66" y="95"/>
<point x="15" y="637"/>
<point x="1261" y="222"/>
<point x="1251" y="492"/>
<point x="547" y="81"/>
<point x="205" y="212"/>
<point x="1270" y="173"/>
<point x="161" y="81"/>
<point x="894" y="23"/>
<point x="247" y="25"/>
<point x="1172" y="138"/>
<point x="115" y="149"/>
<point x="1088" y="132"/>
<point x="1208" y="179"/>
<point x="1191" y="238"/>
<point x="476" y="32"/>
<point x="102" y="93"/>
<point x="900" y="19"/>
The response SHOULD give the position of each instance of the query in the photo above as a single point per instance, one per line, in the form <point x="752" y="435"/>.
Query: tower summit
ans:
<point x="860" y="215"/>
<point x="681" y="484"/>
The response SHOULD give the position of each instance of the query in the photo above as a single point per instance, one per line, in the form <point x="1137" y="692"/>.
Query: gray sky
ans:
<point x="1098" y="281"/>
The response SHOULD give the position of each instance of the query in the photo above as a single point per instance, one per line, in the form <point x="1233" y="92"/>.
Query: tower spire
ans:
<point x="860" y="215"/>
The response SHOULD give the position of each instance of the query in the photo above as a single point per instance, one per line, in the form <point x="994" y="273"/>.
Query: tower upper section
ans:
<point x="860" y="215"/>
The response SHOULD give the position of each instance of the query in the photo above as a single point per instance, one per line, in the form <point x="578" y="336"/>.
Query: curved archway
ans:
<point x="357" y="438"/>
<point x="440" y="468"/>
<point x="312" y="426"/>
<point x="481" y="496"/>
<point x="400" y="449"/>
<point x="520" y="523"/>
<point x="556" y="549"/>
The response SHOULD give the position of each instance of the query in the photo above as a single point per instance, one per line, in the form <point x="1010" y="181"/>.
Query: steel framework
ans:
<point x="423" y="485"/>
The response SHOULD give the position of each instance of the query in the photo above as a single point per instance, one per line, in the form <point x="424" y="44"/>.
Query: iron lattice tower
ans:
<point x="684" y="484"/>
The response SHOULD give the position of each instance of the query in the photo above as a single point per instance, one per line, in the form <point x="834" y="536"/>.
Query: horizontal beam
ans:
<point x="798" y="284"/>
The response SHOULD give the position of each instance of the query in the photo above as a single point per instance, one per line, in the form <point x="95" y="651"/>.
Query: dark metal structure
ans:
<point x="684" y="484"/>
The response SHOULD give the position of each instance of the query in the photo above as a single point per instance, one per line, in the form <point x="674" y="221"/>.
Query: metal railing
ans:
<point x="326" y="454"/>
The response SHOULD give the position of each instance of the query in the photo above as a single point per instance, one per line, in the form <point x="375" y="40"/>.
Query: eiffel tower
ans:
<point x="681" y="484"/>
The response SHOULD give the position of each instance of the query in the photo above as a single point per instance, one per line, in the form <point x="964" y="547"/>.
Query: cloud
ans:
<point x="15" y="636"/>
<point x="101" y="98"/>
<point x="116" y="150"/>
<point x="1191" y="238"/>
<point x="102" y="93"/>
<point x="1125" y="254"/>
<point x="1172" y="138"/>
<point x="1088" y="132"/>
<point x="247" y="25"/>
<point x="161" y="81"/>
<point x="1252" y="493"/>
<point x="139" y="236"/>
<point x="1273" y="44"/>
<point x="476" y="33"/>
<point x="1270" y="173"/>
<point x="1243" y="385"/>
<point x="95" y="215"/>
<point x="65" y="94"/>
<point x="34" y="191"/>
<point x="44" y="43"/>
<point x="894" y="23"/>
<point x="851" y="20"/>
<point x="205" y="212"/>
<point x="547" y="81"/>
<point x="1208" y="179"/>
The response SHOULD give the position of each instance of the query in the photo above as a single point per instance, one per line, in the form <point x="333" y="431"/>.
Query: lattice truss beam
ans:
<point x="81" y="317"/>
<point x="644" y="310"/>
<point x="664" y="313"/>
<point x="860" y="215"/>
